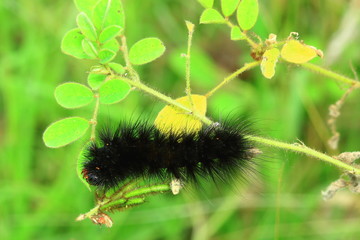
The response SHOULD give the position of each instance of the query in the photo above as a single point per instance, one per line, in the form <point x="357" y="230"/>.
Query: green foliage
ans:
<point x="65" y="131"/>
<point x="109" y="33"/>
<point x="86" y="6"/>
<point x="206" y="3"/>
<point x="236" y="34"/>
<point x="211" y="16"/>
<point x="106" y="55"/>
<point x="113" y="91"/>
<point x="72" y="44"/>
<point x="89" y="48"/>
<point x="86" y="27"/>
<point x="95" y="80"/>
<point x="146" y="50"/>
<point x="228" y="7"/>
<point x="108" y="13"/>
<point x="247" y="14"/>
<point x="118" y="68"/>
<point x="73" y="95"/>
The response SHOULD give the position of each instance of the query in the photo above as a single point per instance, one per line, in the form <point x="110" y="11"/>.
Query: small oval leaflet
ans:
<point x="146" y="50"/>
<point x="109" y="33"/>
<point x="89" y="48"/>
<point x="296" y="52"/>
<point x="247" y="14"/>
<point x="118" y="68"/>
<point x="228" y="7"/>
<point x="236" y="34"/>
<point x="73" y="95"/>
<point x="112" y="45"/>
<point x="211" y="16"/>
<point x="106" y="55"/>
<point x="86" y="6"/>
<point x="113" y="91"/>
<point x="65" y="131"/>
<point x="268" y="63"/>
<point x="206" y="3"/>
<point x="175" y="120"/>
<point x="71" y="44"/>
<point x="86" y="26"/>
<point x="95" y="80"/>
<point x="107" y="13"/>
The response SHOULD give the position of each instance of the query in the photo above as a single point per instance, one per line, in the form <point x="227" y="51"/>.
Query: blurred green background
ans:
<point x="40" y="194"/>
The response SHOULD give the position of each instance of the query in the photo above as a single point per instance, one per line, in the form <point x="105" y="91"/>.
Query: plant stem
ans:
<point x="305" y="150"/>
<point x="226" y="80"/>
<point x="190" y="27"/>
<point x="148" y="190"/>
<point x="94" y="117"/>
<point x="129" y="66"/>
<point x="331" y="74"/>
<point x="251" y="42"/>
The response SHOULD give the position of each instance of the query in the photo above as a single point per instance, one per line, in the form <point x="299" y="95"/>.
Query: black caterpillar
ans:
<point x="219" y="151"/>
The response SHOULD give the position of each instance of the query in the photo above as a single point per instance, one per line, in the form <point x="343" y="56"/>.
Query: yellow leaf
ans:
<point x="172" y="119"/>
<point x="297" y="52"/>
<point x="268" y="63"/>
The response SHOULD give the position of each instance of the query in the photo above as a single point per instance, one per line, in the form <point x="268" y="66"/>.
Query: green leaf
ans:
<point x="99" y="69"/>
<point x="71" y="44"/>
<point x="112" y="45"/>
<point x="109" y="33"/>
<point x="65" y="131"/>
<point x="86" y="6"/>
<point x="146" y="50"/>
<point x="80" y="164"/>
<point x="113" y="91"/>
<point x="107" y="13"/>
<point x="95" y="80"/>
<point x="247" y="14"/>
<point x="206" y="3"/>
<point x="228" y="7"/>
<point x="106" y="55"/>
<point x="118" y="68"/>
<point x="211" y="16"/>
<point x="73" y="95"/>
<point x="89" y="48"/>
<point x="86" y="26"/>
<point x="236" y="34"/>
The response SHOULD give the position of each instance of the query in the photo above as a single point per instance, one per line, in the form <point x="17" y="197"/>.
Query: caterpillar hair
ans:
<point x="139" y="150"/>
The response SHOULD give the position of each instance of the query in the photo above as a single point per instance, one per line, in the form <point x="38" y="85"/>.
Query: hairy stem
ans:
<point x="247" y="38"/>
<point x="190" y="27"/>
<point x="331" y="74"/>
<point x="134" y="75"/>
<point x="304" y="150"/>
<point x="94" y="117"/>
<point x="226" y="80"/>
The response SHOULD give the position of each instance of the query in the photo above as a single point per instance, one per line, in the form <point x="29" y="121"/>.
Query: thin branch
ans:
<point x="305" y="150"/>
<point x="331" y="74"/>
<point x="94" y="117"/>
<point x="226" y="80"/>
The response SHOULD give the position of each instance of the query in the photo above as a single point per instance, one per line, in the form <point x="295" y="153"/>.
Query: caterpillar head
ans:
<point x="91" y="177"/>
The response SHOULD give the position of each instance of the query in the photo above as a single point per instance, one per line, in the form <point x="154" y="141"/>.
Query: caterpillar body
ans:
<point x="216" y="152"/>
